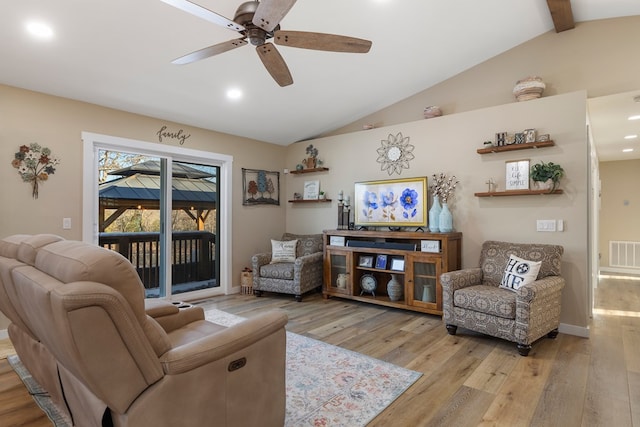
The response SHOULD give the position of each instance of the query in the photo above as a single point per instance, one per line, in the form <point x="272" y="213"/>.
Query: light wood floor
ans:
<point x="469" y="380"/>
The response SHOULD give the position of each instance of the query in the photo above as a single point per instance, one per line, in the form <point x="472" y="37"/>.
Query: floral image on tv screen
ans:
<point x="391" y="203"/>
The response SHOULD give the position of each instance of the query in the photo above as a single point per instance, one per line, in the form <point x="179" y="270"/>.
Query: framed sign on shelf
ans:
<point x="517" y="175"/>
<point x="311" y="190"/>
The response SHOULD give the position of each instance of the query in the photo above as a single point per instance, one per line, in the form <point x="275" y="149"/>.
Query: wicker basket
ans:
<point x="246" y="283"/>
<point x="529" y="88"/>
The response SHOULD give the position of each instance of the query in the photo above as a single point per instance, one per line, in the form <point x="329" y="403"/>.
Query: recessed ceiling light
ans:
<point x="39" y="29"/>
<point x="634" y="117"/>
<point x="234" y="94"/>
<point x="627" y="150"/>
<point x="630" y="136"/>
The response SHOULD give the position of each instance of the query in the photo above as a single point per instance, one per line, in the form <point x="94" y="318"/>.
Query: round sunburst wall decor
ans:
<point x="395" y="153"/>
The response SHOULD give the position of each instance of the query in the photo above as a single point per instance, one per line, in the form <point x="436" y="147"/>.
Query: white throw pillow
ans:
<point x="519" y="272"/>
<point x="283" y="251"/>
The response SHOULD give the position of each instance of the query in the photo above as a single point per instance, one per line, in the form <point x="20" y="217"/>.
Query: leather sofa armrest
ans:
<point x="222" y="344"/>
<point x="541" y="288"/>
<point x="183" y="317"/>
<point x="453" y="280"/>
<point x="156" y="307"/>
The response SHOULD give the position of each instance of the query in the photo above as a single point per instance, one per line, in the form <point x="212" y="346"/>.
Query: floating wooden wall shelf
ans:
<point x="518" y="193"/>
<point x="296" y="172"/>
<point x="514" y="147"/>
<point x="310" y="201"/>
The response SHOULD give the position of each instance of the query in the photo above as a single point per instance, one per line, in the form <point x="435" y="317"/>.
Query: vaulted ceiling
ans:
<point x="118" y="54"/>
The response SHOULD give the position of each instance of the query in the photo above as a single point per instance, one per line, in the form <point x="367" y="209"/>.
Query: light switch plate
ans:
<point x="546" y="225"/>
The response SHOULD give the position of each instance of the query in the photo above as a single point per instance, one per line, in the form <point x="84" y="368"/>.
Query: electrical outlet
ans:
<point x="66" y="223"/>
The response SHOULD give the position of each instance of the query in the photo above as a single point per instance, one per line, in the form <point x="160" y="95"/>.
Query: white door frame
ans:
<point x="93" y="142"/>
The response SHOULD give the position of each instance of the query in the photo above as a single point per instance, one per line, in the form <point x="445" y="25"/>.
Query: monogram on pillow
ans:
<point x="519" y="272"/>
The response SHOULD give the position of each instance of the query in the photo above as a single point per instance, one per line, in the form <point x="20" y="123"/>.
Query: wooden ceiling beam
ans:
<point x="561" y="14"/>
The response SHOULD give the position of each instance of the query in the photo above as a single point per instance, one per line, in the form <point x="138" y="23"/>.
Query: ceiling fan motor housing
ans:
<point x="244" y="17"/>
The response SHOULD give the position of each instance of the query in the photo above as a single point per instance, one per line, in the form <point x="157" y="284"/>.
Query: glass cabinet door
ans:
<point x="337" y="277"/>
<point x="424" y="290"/>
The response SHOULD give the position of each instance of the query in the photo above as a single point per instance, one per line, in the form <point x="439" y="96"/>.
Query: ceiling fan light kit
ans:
<point x="259" y="21"/>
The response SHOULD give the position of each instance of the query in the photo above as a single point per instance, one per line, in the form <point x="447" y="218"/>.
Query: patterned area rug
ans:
<point x="326" y="385"/>
<point x="332" y="386"/>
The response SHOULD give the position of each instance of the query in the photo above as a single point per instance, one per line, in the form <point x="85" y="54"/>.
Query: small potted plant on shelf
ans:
<point x="322" y="195"/>
<point x="546" y="176"/>
<point x="312" y="157"/>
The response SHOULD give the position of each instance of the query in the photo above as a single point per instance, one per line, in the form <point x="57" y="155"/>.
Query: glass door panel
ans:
<point x="339" y="277"/>
<point x="129" y="212"/>
<point x="194" y="219"/>
<point x="425" y="275"/>
<point x="133" y="209"/>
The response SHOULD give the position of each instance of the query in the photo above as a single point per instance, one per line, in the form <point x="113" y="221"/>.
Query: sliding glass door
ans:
<point x="162" y="211"/>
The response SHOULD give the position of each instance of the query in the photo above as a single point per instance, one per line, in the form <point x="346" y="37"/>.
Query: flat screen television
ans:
<point x="391" y="203"/>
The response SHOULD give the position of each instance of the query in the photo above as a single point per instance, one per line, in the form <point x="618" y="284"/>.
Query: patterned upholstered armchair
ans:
<point x="474" y="298"/>
<point x="297" y="277"/>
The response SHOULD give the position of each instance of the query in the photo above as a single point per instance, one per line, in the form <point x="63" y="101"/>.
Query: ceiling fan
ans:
<point x="259" y="21"/>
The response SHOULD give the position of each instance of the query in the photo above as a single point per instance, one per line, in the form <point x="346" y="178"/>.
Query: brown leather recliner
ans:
<point x="159" y="366"/>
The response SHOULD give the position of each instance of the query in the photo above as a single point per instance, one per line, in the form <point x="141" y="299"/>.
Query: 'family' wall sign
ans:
<point x="180" y="135"/>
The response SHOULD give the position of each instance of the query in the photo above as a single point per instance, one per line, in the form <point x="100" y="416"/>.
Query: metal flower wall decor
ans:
<point x="395" y="153"/>
<point x="34" y="163"/>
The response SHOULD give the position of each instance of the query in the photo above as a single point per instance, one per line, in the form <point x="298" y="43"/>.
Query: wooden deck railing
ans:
<point x="192" y="255"/>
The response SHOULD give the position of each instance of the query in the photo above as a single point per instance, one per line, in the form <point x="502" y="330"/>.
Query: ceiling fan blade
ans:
<point x="209" y="51"/>
<point x="321" y="41"/>
<point x="204" y="13"/>
<point x="270" y="12"/>
<point x="274" y="64"/>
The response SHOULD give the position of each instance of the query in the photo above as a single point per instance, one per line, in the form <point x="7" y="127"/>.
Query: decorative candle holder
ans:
<point x="344" y="211"/>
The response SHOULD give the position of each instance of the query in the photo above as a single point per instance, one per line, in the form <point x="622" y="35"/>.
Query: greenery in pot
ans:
<point x="542" y="172"/>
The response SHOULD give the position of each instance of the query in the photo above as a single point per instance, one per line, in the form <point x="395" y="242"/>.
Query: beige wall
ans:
<point x="448" y="144"/>
<point x="620" y="204"/>
<point x="596" y="56"/>
<point x="57" y="123"/>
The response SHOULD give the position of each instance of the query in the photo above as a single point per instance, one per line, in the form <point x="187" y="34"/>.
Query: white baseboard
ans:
<point x="578" y="331"/>
<point x="4" y="334"/>
<point x="620" y="270"/>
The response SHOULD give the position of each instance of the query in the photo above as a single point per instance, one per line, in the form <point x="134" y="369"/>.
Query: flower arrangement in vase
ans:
<point x="443" y="187"/>
<point x="440" y="218"/>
